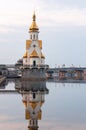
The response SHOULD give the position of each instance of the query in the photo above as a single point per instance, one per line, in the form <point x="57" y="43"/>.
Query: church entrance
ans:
<point x="34" y="63"/>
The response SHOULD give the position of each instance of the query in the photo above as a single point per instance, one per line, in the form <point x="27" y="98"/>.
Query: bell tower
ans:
<point x="34" y="30"/>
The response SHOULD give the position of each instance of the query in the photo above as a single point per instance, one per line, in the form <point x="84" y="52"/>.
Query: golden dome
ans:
<point x="25" y="55"/>
<point x="34" y="54"/>
<point x="34" y="26"/>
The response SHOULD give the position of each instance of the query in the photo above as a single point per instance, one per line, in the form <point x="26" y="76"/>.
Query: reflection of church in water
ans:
<point x="33" y="97"/>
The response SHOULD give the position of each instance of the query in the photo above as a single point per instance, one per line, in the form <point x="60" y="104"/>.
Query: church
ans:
<point x="33" y="55"/>
<point x="34" y="66"/>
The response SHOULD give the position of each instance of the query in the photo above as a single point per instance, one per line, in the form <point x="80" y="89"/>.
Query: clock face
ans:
<point x="34" y="46"/>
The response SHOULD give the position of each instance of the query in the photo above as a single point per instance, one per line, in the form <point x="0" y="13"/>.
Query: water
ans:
<point x="63" y="105"/>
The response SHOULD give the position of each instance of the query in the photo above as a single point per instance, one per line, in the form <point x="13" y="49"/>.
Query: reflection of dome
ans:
<point x="25" y="103"/>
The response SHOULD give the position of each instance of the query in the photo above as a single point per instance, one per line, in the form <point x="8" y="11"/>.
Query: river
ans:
<point x="53" y="105"/>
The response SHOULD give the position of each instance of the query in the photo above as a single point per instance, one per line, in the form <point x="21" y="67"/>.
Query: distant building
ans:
<point x="79" y="74"/>
<point x="3" y="70"/>
<point x="62" y="74"/>
<point x="19" y="63"/>
<point x="67" y="73"/>
<point x="84" y="73"/>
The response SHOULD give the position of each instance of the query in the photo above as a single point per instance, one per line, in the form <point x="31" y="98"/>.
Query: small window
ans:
<point x="30" y="122"/>
<point x="33" y="122"/>
<point x="34" y="63"/>
<point x="34" y="36"/>
<point x="30" y="36"/>
<point x="34" y="46"/>
<point x="34" y="95"/>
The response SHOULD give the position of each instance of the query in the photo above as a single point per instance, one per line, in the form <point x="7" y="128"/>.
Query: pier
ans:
<point x="9" y="92"/>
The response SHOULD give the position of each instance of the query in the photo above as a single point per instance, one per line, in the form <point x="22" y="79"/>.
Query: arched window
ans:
<point x="34" y="63"/>
<point x="34" y="36"/>
<point x="30" y="36"/>
<point x="37" y="36"/>
<point x="34" y="95"/>
<point x="30" y="122"/>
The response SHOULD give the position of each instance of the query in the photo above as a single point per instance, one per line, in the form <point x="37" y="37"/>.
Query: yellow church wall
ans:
<point x="39" y="115"/>
<point x="28" y="43"/>
<point x="27" y="114"/>
<point x="40" y="43"/>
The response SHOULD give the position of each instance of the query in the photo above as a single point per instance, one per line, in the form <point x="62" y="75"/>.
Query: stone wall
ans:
<point x="33" y="74"/>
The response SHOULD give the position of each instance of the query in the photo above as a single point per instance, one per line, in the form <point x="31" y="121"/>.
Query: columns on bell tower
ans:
<point x="34" y="30"/>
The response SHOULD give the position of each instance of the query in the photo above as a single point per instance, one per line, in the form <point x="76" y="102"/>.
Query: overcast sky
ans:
<point x="62" y="25"/>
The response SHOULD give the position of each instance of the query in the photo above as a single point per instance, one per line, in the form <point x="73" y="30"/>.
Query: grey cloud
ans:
<point x="78" y="3"/>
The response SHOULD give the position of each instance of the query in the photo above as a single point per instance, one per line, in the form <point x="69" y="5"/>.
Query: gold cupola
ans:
<point x="25" y="55"/>
<point x="34" y="54"/>
<point x="33" y="27"/>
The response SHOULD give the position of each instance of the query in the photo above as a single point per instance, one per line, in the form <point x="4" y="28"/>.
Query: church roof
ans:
<point x="42" y="56"/>
<point x="25" y="55"/>
<point x="33" y="26"/>
<point x="28" y="43"/>
<point x="25" y="103"/>
<point x="34" y="54"/>
<point x="40" y="43"/>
